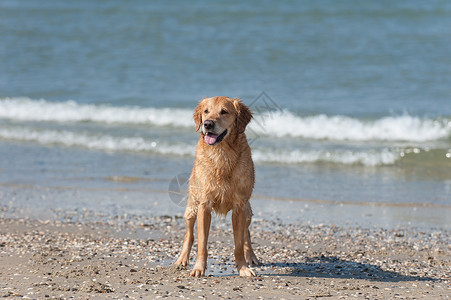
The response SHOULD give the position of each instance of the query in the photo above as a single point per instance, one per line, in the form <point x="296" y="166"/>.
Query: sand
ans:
<point x="131" y="257"/>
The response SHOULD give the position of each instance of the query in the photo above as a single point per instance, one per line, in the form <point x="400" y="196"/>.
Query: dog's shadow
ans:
<point x="334" y="267"/>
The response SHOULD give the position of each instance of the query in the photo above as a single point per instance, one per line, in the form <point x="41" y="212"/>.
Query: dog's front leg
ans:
<point x="203" y="229"/>
<point x="239" y="222"/>
<point x="190" y="219"/>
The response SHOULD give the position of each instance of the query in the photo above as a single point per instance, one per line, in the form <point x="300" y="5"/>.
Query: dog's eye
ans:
<point x="223" y="112"/>
<point x="206" y="111"/>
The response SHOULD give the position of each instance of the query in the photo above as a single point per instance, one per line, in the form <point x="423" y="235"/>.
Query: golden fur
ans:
<point x="222" y="180"/>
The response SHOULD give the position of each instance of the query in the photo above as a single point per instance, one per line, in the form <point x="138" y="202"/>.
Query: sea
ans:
<point x="351" y="103"/>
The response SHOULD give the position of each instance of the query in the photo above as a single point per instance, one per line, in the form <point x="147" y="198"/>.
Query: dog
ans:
<point x="222" y="180"/>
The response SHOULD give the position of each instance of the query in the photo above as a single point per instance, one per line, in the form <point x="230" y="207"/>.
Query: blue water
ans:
<point x="364" y="85"/>
<point x="351" y="57"/>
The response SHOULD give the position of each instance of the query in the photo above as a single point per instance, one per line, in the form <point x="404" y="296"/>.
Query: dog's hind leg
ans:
<point x="239" y="228"/>
<point x="249" y="254"/>
<point x="190" y="219"/>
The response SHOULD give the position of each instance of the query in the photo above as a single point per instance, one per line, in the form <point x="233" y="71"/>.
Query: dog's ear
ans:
<point x="197" y="116"/>
<point x="244" y="115"/>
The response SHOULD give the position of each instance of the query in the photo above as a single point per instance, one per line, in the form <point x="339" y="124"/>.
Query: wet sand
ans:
<point x="131" y="257"/>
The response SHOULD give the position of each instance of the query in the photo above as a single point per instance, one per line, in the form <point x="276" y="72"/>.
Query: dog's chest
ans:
<point x="220" y="187"/>
<point x="222" y="177"/>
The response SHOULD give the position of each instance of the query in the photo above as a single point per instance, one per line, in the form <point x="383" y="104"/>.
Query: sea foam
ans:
<point x="343" y="128"/>
<point x="109" y="143"/>
<point x="346" y="157"/>
<point x="26" y="109"/>
<point x="276" y="124"/>
<point x="103" y="142"/>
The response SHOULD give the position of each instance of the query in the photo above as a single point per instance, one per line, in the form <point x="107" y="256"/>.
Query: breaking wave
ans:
<point x="26" y="109"/>
<point x="111" y="143"/>
<point x="367" y="158"/>
<point x="96" y="142"/>
<point x="343" y="128"/>
<point x="276" y="124"/>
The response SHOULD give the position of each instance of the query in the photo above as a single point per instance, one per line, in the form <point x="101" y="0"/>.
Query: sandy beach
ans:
<point x="131" y="257"/>
<point x="350" y="137"/>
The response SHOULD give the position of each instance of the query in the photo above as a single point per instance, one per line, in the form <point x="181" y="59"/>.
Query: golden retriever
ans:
<point x="222" y="179"/>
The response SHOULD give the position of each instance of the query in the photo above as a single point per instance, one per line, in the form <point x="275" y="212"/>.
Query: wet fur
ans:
<point x="222" y="180"/>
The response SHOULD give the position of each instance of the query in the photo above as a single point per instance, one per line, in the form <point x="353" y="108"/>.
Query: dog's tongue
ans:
<point x="210" y="138"/>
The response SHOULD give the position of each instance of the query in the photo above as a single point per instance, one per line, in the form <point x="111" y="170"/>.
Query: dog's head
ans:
<point x="219" y="117"/>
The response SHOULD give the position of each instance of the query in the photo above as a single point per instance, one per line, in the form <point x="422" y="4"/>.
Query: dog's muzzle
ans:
<point x="210" y="137"/>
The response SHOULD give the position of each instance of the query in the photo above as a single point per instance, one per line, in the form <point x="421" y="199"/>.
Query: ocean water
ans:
<point x="351" y="102"/>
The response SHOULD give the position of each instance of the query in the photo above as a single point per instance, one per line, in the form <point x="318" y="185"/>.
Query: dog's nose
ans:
<point x="209" y="124"/>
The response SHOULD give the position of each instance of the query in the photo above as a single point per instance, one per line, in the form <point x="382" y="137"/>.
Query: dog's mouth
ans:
<point x="213" y="139"/>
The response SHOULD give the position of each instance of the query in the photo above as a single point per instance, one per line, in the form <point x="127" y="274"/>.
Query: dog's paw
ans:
<point x="252" y="260"/>
<point x="197" y="273"/>
<point x="246" y="272"/>
<point x="181" y="264"/>
<point x="180" y="267"/>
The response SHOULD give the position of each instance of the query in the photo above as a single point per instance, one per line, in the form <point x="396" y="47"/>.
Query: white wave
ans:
<point x="26" y="109"/>
<point x="366" y="158"/>
<point x="277" y="124"/>
<point x="138" y="144"/>
<point x="96" y="142"/>
<point x="342" y="128"/>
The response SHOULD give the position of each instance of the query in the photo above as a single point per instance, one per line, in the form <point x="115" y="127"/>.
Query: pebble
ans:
<point x="124" y="254"/>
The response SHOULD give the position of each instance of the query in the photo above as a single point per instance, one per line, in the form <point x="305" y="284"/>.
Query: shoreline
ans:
<point x="132" y="256"/>
<point x="253" y="197"/>
<point x="37" y="201"/>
